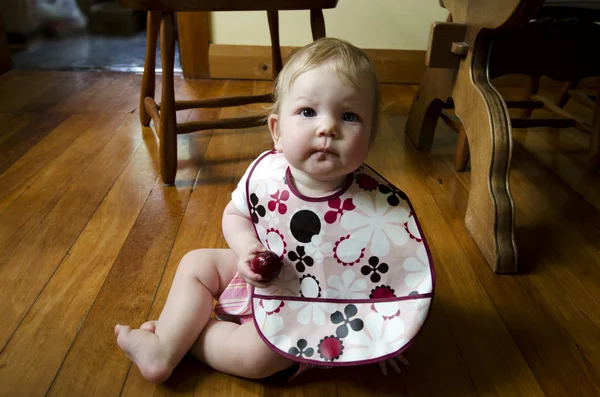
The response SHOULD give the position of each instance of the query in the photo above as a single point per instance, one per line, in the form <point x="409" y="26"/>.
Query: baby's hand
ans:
<point x="392" y="362"/>
<point x="244" y="269"/>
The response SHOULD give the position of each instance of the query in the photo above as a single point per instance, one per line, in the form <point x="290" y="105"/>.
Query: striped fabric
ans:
<point x="235" y="303"/>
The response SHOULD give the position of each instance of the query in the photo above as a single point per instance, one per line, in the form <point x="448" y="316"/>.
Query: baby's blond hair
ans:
<point x="349" y="62"/>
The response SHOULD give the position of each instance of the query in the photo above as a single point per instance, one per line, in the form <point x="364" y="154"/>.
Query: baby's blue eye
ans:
<point x="308" y="112"/>
<point x="351" y="117"/>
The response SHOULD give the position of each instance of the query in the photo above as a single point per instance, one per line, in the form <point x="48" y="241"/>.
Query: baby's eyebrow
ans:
<point x="303" y="98"/>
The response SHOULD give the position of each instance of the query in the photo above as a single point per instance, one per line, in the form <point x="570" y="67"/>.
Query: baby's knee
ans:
<point x="191" y="263"/>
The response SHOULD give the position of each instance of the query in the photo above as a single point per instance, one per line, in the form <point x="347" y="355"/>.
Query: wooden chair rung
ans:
<point x="582" y="98"/>
<point x="526" y="104"/>
<point x="531" y="122"/>
<point x="152" y="109"/>
<point x="232" y="123"/>
<point x="223" y="102"/>
<point x="580" y="123"/>
<point x="451" y="121"/>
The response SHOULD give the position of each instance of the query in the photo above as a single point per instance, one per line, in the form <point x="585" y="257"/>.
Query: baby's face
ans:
<point x="324" y="124"/>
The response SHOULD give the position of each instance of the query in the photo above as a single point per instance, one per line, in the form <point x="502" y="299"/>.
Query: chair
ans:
<point x="484" y="40"/>
<point x="567" y="31"/>
<point x="161" y="15"/>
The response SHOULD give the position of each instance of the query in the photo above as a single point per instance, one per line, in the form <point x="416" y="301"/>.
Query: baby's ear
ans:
<point x="273" y="123"/>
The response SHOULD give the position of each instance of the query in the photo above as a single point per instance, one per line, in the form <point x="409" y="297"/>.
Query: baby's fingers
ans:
<point x="252" y="278"/>
<point x="382" y="367"/>
<point x="256" y="248"/>
<point x="247" y="274"/>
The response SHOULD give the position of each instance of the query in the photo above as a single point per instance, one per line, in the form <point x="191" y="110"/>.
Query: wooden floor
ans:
<point x="90" y="237"/>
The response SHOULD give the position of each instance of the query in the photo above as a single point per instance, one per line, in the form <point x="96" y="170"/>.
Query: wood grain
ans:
<point x="477" y="335"/>
<point x="544" y="344"/>
<point x="107" y="249"/>
<point x="200" y="226"/>
<point x="194" y="37"/>
<point x="42" y="193"/>
<point x="141" y="261"/>
<point x="23" y="132"/>
<point x="36" y="251"/>
<point x="50" y="326"/>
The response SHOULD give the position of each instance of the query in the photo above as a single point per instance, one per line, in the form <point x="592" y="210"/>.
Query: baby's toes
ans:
<point x="122" y="329"/>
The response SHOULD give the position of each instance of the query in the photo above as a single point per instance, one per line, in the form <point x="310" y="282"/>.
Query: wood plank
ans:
<point x="11" y="123"/>
<point x="47" y="332"/>
<point x="201" y="227"/>
<point x="476" y="325"/>
<point x="99" y="96"/>
<point x="43" y="191"/>
<point x="141" y="262"/>
<point x="19" y="141"/>
<point x="581" y="180"/>
<point x="16" y="92"/>
<point x="35" y="255"/>
<point x="545" y="344"/>
<point x="16" y="179"/>
<point x="63" y="87"/>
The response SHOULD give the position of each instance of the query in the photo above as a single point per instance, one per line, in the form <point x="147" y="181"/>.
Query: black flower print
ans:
<point x="300" y="350"/>
<point x="330" y="348"/>
<point x="394" y="195"/>
<point x="255" y="209"/>
<point x="376" y="268"/>
<point x="302" y="260"/>
<point x="349" y="312"/>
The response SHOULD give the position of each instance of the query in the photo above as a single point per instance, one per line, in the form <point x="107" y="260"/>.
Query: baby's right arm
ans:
<point x="241" y="237"/>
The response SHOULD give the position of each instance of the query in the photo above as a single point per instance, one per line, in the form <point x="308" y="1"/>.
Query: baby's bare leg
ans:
<point x="237" y="350"/>
<point x="201" y="275"/>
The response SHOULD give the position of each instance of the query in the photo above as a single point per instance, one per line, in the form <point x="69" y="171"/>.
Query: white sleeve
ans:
<point x="238" y="196"/>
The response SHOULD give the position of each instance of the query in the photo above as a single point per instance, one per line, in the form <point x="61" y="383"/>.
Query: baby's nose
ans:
<point x="327" y="128"/>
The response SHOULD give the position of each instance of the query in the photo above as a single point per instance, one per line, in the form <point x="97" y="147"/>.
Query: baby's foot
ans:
<point x="145" y="350"/>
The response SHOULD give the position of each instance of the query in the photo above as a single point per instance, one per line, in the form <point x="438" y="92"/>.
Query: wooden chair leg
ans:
<point x="317" y="24"/>
<point x="490" y="212"/>
<point x="562" y="97"/>
<point x="434" y="91"/>
<point x="168" y="121"/>
<point x="273" y="17"/>
<point x="531" y="88"/>
<point x="595" y="135"/>
<point x="149" y="76"/>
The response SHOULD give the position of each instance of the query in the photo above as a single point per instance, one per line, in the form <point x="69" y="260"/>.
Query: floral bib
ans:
<point x="357" y="280"/>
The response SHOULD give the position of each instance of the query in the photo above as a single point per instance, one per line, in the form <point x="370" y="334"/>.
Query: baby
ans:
<point x="323" y="122"/>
